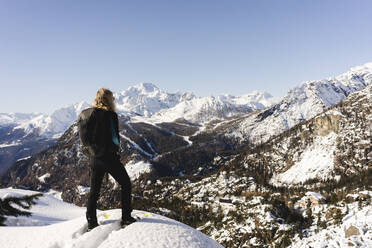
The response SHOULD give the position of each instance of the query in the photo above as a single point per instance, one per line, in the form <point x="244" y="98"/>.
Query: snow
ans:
<point x="11" y="118"/>
<point x="8" y="145"/>
<point x="145" y="99"/>
<point x="43" y="177"/>
<point x="46" y="211"/>
<point x="204" y="109"/>
<point x="136" y="169"/>
<point x="315" y="162"/>
<point x="315" y="195"/>
<point x="187" y="139"/>
<point x="83" y="190"/>
<point x="302" y="103"/>
<point x="25" y="158"/>
<point x="260" y="100"/>
<point x="158" y="231"/>
<point x="53" y="125"/>
<point x="63" y="225"/>
<point x="135" y="145"/>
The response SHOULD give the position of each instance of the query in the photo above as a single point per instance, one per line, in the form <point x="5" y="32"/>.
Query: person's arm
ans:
<point x="116" y="122"/>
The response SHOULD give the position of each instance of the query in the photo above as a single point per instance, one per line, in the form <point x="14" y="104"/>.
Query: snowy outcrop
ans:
<point x="55" y="223"/>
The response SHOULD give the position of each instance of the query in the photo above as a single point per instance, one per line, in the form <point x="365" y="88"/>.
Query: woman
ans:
<point x="105" y="157"/>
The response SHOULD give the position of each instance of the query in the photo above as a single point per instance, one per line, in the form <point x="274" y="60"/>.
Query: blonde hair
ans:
<point x="104" y="100"/>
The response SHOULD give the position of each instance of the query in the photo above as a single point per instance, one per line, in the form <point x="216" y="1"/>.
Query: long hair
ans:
<point x="104" y="100"/>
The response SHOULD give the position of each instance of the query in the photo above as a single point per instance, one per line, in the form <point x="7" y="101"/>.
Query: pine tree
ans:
<point x="309" y="212"/>
<point x="25" y="202"/>
<point x="337" y="216"/>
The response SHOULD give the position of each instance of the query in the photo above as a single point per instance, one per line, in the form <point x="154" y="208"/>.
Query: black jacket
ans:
<point x="101" y="132"/>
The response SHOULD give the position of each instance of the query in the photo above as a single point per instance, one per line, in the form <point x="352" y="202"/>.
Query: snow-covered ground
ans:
<point x="57" y="224"/>
<point x="355" y="231"/>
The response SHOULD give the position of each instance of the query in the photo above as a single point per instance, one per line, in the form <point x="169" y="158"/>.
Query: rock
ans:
<point x="326" y="123"/>
<point x="315" y="199"/>
<point x="352" y="230"/>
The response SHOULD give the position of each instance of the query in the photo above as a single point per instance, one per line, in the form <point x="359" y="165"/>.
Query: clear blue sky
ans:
<point x="53" y="53"/>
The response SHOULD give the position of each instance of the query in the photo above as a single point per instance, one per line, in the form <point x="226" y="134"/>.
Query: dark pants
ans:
<point x="112" y="165"/>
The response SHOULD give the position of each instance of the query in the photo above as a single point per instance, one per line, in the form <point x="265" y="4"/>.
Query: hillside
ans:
<point x="310" y="180"/>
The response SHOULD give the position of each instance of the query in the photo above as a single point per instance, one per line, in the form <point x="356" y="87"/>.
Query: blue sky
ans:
<point x="54" y="53"/>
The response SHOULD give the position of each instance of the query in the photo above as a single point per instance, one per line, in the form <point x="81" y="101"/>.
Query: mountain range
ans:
<point x="22" y="135"/>
<point x="240" y="169"/>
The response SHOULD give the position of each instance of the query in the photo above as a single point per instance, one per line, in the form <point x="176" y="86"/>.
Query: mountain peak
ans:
<point x="142" y="88"/>
<point x="366" y="66"/>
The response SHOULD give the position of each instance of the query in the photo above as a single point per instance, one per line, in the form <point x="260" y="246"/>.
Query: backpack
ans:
<point x="86" y="124"/>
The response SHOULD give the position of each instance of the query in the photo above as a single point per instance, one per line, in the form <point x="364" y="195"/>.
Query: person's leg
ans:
<point x="118" y="172"/>
<point x="96" y="178"/>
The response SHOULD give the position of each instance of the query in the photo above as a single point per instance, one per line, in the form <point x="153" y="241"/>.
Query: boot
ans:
<point x="125" y="221"/>
<point x="92" y="222"/>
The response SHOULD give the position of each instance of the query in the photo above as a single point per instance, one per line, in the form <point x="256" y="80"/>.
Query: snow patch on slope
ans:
<point x="315" y="162"/>
<point x="136" y="169"/>
<point x="43" y="177"/>
<point x="11" y="144"/>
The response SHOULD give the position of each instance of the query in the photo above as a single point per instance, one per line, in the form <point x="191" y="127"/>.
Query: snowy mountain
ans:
<point x="300" y="104"/>
<point x="205" y="109"/>
<point x="13" y="118"/>
<point x="145" y="99"/>
<point x="145" y="102"/>
<point x="55" y="223"/>
<point x="333" y="144"/>
<point x="23" y="135"/>
<point x="42" y="125"/>
<point x="54" y="125"/>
